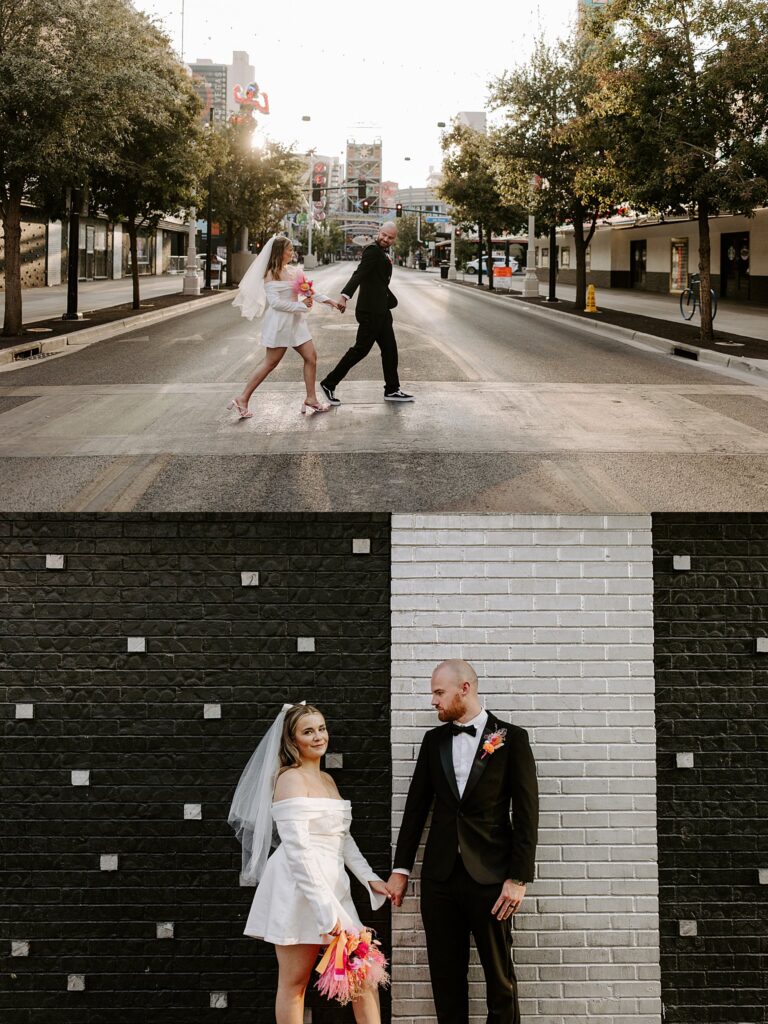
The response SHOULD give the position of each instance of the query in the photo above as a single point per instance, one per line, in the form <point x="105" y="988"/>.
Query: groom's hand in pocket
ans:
<point x="509" y="901"/>
<point x="397" y="885"/>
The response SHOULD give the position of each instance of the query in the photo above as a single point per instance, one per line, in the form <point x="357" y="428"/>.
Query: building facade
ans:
<point x="659" y="255"/>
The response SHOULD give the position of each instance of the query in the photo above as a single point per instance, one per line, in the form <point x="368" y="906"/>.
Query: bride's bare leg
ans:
<point x="366" y="1008"/>
<point x="308" y="353"/>
<point x="265" y="367"/>
<point x="295" y="965"/>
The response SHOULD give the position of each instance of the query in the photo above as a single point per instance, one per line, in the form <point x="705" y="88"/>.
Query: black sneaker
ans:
<point x="330" y="394"/>
<point x="398" y="396"/>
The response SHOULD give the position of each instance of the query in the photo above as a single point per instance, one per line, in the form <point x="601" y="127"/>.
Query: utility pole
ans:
<point x="209" y="240"/>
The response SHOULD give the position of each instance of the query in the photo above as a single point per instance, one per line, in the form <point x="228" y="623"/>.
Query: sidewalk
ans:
<point x="738" y="318"/>
<point x="50" y="303"/>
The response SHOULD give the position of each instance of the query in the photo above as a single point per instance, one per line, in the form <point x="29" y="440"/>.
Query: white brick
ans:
<point x="19" y="947"/>
<point x="249" y="578"/>
<point x="219" y="1000"/>
<point x="80" y="777"/>
<point x="109" y="862"/>
<point x="193" y="812"/>
<point x="581" y="682"/>
<point x="164" y="930"/>
<point x="55" y="562"/>
<point x="136" y="644"/>
<point x="76" y="983"/>
<point x="305" y="644"/>
<point x="361" y="546"/>
<point x="25" y="710"/>
<point x="211" y="710"/>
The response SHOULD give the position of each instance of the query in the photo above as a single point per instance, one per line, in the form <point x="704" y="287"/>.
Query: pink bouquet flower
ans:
<point x="351" y="963"/>
<point x="302" y="287"/>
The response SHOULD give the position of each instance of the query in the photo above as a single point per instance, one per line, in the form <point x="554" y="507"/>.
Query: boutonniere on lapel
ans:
<point x="493" y="741"/>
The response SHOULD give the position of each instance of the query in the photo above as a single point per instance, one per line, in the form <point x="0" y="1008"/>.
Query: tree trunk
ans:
<point x="12" y="323"/>
<point x="479" y="255"/>
<point x="133" y="234"/>
<point x="230" y="249"/>
<point x="705" y="275"/>
<point x="489" y="262"/>
<point x="581" y="259"/>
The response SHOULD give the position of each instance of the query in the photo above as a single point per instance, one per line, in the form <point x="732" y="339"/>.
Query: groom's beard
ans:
<point x="453" y="712"/>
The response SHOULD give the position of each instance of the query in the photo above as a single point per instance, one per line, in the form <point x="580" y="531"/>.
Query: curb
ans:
<point x="66" y="343"/>
<point x="637" y="339"/>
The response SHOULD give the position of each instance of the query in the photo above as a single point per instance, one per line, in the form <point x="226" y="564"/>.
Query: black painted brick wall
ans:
<point x="136" y="721"/>
<point x="712" y="700"/>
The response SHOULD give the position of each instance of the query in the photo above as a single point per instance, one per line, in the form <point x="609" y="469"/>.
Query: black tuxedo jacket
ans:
<point x="493" y="847"/>
<point x="372" y="277"/>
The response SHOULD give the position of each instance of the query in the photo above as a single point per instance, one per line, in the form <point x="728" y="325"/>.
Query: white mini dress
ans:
<point x="285" y="318"/>
<point x="305" y="888"/>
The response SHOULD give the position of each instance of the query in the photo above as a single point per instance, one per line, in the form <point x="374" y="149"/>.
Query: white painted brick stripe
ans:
<point x="556" y="615"/>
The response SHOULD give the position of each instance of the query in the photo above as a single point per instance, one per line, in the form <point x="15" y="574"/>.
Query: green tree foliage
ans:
<point x="549" y="154"/>
<point x="251" y="187"/>
<point x="160" y="161"/>
<point x="407" y="241"/>
<point x="327" y="238"/>
<point x="66" y="91"/>
<point x="471" y="187"/>
<point x="682" y="98"/>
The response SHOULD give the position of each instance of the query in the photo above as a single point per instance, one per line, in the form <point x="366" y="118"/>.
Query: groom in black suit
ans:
<point x="477" y="861"/>
<point x="374" y="317"/>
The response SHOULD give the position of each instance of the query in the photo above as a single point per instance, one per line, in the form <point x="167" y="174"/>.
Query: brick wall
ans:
<point x="164" y="734"/>
<point x="555" y="614"/>
<point x="712" y="699"/>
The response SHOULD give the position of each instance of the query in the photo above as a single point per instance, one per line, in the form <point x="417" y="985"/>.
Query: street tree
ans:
<point x="410" y="239"/>
<point x="683" y="100"/>
<point x="66" y="90"/>
<point x="471" y="188"/>
<point x="162" y="157"/>
<point x="252" y="187"/>
<point x="548" y="153"/>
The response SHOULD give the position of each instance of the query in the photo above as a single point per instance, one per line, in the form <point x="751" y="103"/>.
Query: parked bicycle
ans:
<point x="690" y="298"/>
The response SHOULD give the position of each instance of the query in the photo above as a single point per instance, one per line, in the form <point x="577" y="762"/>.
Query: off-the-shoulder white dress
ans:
<point x="305" y="887"/>
<point x="285" y="319"/>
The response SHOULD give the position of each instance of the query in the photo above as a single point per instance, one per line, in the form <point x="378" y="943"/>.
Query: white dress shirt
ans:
<point x="463" y="748"/>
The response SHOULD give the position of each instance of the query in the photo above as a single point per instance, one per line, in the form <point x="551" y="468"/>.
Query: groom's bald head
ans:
<point x="454" y="690"/>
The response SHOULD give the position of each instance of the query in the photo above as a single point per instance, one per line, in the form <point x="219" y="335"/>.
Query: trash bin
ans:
<point x="444" y="271"/>
<point x="422" y="264"/>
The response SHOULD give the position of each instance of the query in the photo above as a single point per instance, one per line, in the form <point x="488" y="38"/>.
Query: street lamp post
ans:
<point x="191" y="284"/>
<point x="531" y="281"/>
<point x="452" y="257"/>
<point x="209" y="217"/>
<point x="73" y="253"/>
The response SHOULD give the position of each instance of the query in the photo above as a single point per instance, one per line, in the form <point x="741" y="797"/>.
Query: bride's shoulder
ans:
<point x="330" y="784"/>
<point x="289" y="784"/>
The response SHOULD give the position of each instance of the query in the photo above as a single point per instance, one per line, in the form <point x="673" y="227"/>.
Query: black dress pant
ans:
<point x="452" y="911"/>
<point x="374" y="328"/>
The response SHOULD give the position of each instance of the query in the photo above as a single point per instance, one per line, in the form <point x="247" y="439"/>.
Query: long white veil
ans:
<point x="251" y="296"/>
<point x="251" y="812"/>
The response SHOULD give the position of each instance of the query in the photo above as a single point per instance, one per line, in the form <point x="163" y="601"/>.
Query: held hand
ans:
<point x="509" y="901"/>
<point x="397" y="885"/>
<point x="342" y="304"/>
<point x="381" y="888"/>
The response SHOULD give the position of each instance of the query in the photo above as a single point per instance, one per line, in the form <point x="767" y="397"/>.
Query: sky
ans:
<point x="388" y="71"/>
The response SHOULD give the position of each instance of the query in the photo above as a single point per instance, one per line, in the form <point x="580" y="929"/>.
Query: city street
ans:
<point x="513" y="413"/>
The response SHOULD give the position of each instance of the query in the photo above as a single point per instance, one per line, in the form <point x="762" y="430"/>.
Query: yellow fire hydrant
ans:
<point x="591" y="306"/>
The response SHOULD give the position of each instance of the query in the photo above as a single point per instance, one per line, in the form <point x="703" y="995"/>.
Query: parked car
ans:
<point x="498" y="261"/>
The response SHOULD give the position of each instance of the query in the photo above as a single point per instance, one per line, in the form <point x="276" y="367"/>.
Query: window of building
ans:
<point x="544" y="257"/>
<point x="565" y="256"/>
<point x="588" y="258"/>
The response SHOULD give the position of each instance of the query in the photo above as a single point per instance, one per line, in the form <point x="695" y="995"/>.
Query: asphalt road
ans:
<point x="513" y="413"/>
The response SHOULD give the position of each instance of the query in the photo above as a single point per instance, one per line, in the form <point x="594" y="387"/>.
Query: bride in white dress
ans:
<point x="303" y="896"/>
<point x="269" y="289"/>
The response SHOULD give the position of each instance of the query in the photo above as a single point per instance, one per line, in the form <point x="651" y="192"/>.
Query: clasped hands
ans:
<point x="309" y="302"/>
<point x="508" y="903"/>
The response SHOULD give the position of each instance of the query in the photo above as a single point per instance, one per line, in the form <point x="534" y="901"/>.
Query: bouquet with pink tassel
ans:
<point x="302" y="287"/>
<point x="351" y="963"/>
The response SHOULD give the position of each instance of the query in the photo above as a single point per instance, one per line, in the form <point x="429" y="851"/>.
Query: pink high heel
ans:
<point x="243" y="412"/>
<point x="309" y="410"/>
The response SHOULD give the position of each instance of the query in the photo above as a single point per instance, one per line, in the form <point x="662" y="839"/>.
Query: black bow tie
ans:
<point x="471" y="730"/>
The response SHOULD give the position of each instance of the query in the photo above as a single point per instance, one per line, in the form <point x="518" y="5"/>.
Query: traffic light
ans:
<point x="361" y="188"/>
<point x="398" y="209"/>
<point x="365" y="205"/>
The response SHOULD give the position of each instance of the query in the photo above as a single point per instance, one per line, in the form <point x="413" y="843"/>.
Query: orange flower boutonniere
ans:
<point x="493" y="741"/>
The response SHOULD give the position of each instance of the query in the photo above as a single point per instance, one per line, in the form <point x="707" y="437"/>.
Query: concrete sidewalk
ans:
<point x="735" y="317"/>
<point x="51" y="303"/>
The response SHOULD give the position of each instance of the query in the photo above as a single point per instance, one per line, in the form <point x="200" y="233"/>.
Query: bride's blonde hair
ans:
<point x="289" y="751"/>
<point x="275" y="265"/>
